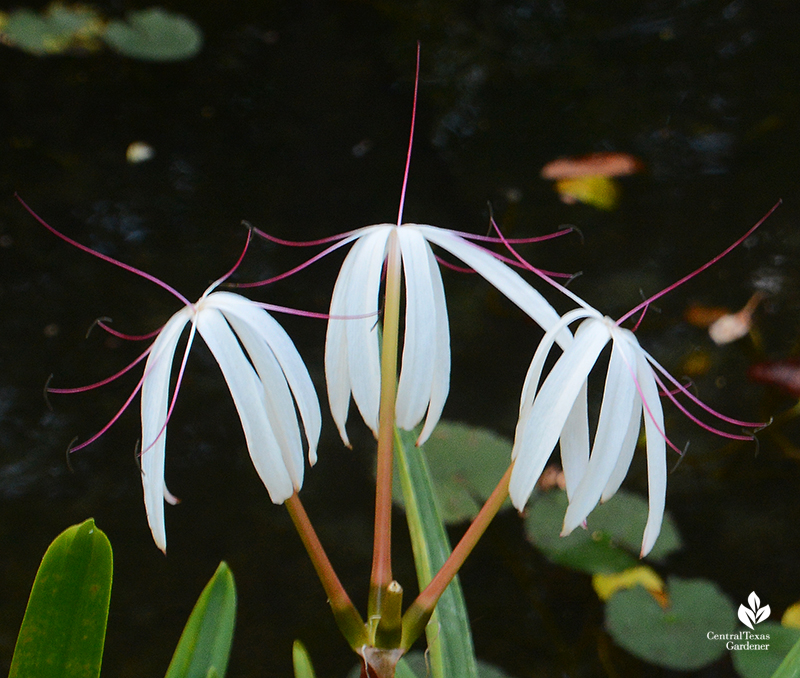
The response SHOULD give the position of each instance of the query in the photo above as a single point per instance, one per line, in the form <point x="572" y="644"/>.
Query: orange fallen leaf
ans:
<point x="607" y="164"/>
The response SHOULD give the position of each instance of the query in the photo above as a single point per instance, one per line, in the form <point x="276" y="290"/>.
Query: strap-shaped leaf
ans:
<point x="451" y="652"/>
<point x="303" y="668"/>
<point x="205" y="643"/>
<point x="64" y="628"/>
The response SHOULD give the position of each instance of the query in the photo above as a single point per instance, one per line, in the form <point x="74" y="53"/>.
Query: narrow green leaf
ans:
<point x="302" y="661"/>
<point x="205" y="643"/>
<point x="64" y="628"/>
<point x="451" y="653"/>
<point x="790" y="666"/>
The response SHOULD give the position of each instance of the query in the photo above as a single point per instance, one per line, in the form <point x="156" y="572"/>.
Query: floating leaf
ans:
<point x="606" y="585"/>
<point x="58" y="29"/>
<point x="154" y="35"/>
<point x="64" y="627"/>
<point x="791" y="617"/>
<point x="675" y="637"/>
<point x="600" y="192"/>
<point x="762" y="663"/>
<point x="466" y="463"/>
<point x="610" y="543"/>
<point x="205" y="643"/>
<point x="608" y="164"/>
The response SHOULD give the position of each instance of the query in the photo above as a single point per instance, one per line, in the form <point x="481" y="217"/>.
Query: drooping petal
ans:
<point x="616" y="412"/>
<point x="414" y="385"/>
<point x="502" y="277"/>
<point x="352" y="339"/>
<point x="538" y="434"/>
<point x="656" y="451"/>
<point x="632" y="434"/>
<point x="267" y="338"/>
<point x="155" y="406"/>
<point x="440" y="379"/>
<point x="574" y="442"/>
<point x="249" y="397"/>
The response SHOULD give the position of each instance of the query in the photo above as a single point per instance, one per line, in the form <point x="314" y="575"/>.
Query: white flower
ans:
<point x="267" y="379"/>
<point x="631" y="394"/>
<point x="352" y="360"/>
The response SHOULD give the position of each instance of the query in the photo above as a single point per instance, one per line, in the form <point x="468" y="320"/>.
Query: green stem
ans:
<point x="420" y="611"/>
<point x="350" y="623"/>
<point x="381" y="575"/>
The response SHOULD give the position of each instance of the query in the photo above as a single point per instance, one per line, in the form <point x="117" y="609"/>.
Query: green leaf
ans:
<point x="610" y="543"/>
<point x="417" y="666"/>
<point x="750" y="662"/>
<point x="790" y="666"/>
<point x="675" y="637"/>
<point x="205" y="643"/>
<point x="154" y="35"/>
<point x="301" y="660"/>
<point x="465" y="463"/>
<point x="64" y="628"/>
<point x="60" y="28"/>
<point x="451" y="653"/>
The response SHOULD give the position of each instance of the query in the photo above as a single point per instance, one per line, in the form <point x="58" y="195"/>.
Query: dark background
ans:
<point x="295" y="117"/>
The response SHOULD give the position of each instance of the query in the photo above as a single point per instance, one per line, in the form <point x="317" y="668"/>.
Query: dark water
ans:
<point x="295" y="117"/>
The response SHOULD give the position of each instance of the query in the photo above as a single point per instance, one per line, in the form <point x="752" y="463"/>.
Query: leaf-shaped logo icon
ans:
<point x="746" y="616"/>
<point x="754" y="614"/>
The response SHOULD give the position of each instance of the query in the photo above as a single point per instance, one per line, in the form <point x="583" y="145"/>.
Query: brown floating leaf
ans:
<point x="607" y="164"/>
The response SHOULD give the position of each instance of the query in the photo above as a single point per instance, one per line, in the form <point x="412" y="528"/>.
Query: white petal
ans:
<point x="355" y="301"/>
<point x="534" y="374"/>
<point x="155" y="405"/>
<point x="440" y="380"/>
<point x="656" y="452"/>
<point x="616" y="412"/>
<point x="419" y="342"/>
<point x="552" y="406"/>
<point x="574" y="442"/>
<point x="275" y="342"/>
<point x="250" y="400"/>
<point x="506" y="280"/>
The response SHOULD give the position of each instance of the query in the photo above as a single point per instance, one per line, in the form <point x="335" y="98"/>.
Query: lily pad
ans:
<point x="59" y="29"/>
<point x="466" y="463"/>
<point x="154" y="35"/>
<point x="675" y="636"/>
<point x="751" y="663"/>
<point x="611" y="541"/>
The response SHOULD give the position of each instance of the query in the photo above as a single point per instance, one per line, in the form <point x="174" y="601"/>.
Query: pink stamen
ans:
<point x="103" y="382"/>
<point x="113" y="419"/>
<point x="699" y="422"/>
<point x="121" y="335"/>
<point x="713" y="261"/>
<point x="410" y="141"/>
<point x="238" y="261"/>
<point x="295" y="243"/>
<point x="346" y="239"/>
<point x="104" y="257"/>
<point x="515" y="241"/>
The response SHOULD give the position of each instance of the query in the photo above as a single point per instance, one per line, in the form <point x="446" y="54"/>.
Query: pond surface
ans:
<point x="295" y="118"/>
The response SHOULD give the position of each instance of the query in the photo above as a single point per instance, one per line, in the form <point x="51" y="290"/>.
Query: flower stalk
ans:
<point x="381" y="576"/>
<point x="347" y="618"/>
<point x="419" y="612"/>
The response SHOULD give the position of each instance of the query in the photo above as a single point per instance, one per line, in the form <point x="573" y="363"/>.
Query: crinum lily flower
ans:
<point x="266" y="376"/>
<point x="352" y="361"/>
<point x="632" y="393"/>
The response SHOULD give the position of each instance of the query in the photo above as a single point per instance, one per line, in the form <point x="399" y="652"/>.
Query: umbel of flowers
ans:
<point x="389" y="264"/>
